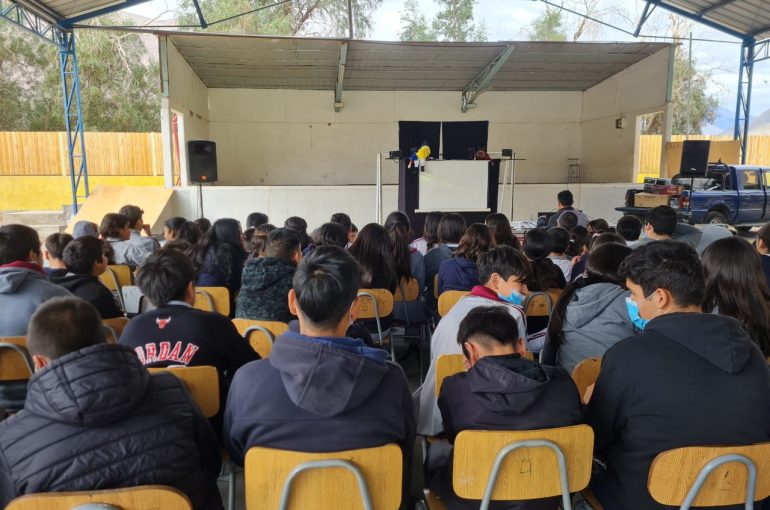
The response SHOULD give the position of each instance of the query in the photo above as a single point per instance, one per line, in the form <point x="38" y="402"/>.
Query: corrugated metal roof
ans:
<point x="748" y="17"/>
<point x="63" y="11"/>
<point x="223" y="61"/>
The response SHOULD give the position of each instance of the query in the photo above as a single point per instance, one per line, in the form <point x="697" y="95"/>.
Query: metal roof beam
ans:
<point x="704" y="21"/>
<point x="714" y="7"/>
<point x="760" y="31"/>
<point x="648" y="8"/>
<point x="117" y="6"/>
<point x="340" y="77"/>
<point x="31" y="22"/>
<point x="483" y="80"/>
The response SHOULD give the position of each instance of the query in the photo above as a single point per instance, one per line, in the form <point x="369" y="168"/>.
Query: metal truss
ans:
<point x="483" y="80"/>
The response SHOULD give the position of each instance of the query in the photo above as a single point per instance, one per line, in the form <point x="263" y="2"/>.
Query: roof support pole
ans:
<point x="483" y="80"/>
<point x="340" y="77"/>
<point x="648" y="9"/>
<point x="743" y="107"/>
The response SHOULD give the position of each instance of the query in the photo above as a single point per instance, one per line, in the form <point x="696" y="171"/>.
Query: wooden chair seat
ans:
<point x="147" y="497"/>
<point x="260" y="334"/>
<point x="585" y="374"/>
<point x="202" y="382"/>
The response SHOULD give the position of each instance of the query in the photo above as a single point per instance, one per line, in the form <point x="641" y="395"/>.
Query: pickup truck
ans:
<point x="724" y="194"/>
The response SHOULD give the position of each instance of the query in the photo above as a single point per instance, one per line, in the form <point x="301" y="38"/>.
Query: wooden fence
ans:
<point x="110" y="154"/>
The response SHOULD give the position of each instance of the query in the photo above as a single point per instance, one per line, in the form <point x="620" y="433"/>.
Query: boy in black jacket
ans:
<point x="688" y="379"/>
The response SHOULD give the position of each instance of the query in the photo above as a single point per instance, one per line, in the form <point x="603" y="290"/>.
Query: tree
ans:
<point x="555" y="25"/>
<point x="297" y="17"/>
<point x="453" y="22"/>
<point x="549" y="26"/>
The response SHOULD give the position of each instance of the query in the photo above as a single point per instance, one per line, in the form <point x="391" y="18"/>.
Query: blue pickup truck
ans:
<point x="725" y="194"/>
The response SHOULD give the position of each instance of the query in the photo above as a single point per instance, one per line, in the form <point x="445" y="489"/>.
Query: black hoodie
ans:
<point x="689" y="379"/>
<point x="505" y="393"/>
<point x="91" y="289"/>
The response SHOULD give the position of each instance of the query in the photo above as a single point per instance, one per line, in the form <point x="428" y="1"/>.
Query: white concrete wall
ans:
<point x="187" y="95"/>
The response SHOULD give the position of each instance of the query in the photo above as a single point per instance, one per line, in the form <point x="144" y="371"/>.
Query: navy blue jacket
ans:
<point x="457" y="273"/>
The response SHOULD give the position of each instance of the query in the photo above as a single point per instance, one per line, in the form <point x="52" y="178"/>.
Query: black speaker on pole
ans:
<point x="695" y="157"/>
<point x="202" y="161"/>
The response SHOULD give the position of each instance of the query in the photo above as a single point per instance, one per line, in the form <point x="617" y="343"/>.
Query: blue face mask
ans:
<point x="515" y="297"/>
<point x="633" y="314"/>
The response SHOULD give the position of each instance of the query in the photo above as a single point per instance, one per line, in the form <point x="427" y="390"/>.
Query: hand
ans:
<point x="146" y="230"/>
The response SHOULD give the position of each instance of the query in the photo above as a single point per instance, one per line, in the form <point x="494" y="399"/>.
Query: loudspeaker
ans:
<point x="695" y="157"/>
<point x="202" y="161"/>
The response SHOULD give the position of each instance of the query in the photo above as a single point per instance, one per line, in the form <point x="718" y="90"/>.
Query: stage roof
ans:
<point x="744" y="18"/>
<point x="225" y="61"/>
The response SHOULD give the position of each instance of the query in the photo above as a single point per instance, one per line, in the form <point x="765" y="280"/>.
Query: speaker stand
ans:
<point x="200" y="200"/>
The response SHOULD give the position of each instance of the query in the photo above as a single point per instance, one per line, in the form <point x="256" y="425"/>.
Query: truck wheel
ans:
<point x="715" y="218"/>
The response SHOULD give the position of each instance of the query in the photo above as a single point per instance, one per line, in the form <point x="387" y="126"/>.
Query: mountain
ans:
<point x="760" y="125"/>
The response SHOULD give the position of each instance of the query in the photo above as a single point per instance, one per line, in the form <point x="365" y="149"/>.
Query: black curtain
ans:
<point x="459" y="137"/>
<point x="412" y="134"/>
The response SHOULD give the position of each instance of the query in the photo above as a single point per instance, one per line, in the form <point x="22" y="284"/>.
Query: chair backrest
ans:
<point x="260" y="334"/>
<point x="202" y="382"/>
<point x="367" y="308"/>
<point x="213" y="299"/>
<point x="134" y="498"/>
<point x="585" y="374"/>
<point x="683" y="476"/>
<point x="538" y="304"/>
<point x="15" y="360"/>
<point x="117" y="276"/>
<point x="448" y="299"/>
<point x="529" y="470"/>
<point x="323" y="481"/>
<point x="451" y="364"/>
<point x="408" y="290"/>
<point x="115" y="327"/>
<point x="134" y="301"/>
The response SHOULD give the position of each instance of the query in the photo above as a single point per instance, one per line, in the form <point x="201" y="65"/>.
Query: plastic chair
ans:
<point x="538" y="304"/>
<point x="283" y="479"/>
<point x="16" y="368"/>
<point x="376" y="304"/>
<point x="260" y="334"/>
<point x="202" y="382"/>
<point x="135" y="301"/>
<point x="115" y="277"/>
<point x="115" y="327"/>
<point x="531" y="464"/>
<point x="213" y="299"/>
<point x="451" y="364"/>
<point x="133" y="498"/>
<point x="585" y="374"/>
<point x="448" y="299"/>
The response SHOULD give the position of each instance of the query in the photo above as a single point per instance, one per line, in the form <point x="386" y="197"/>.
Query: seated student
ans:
<point x="762" y="244"/>
<point x="85" y="228"/>
<point x="135" y="215"/>
<point x="578" y="250"/>
<point x="95" y="419"/>
<point x="545" y="276"/>
<point x="630" y="228"/>
<point x="590" y="316"/>
<point x="344" y="220"/>
<point x="255" y="240"/>
<point x="503" y="272"/>
<point x="203" y="224"/>
<point x="85" y="261"/>
<point x="353" y="233"/>
<point x="598" y="226"/>
<point x="429" y="237"/>
<point x="171" y="228"/>
<point x="690" y="378"/>
<point x="300" y="226"/>
<point x="320" y="391"/>
<point x="256" y="219"/>
<point x="660" y="223"/>
<point x="185" y="238"/>
<point x="219" y="257"/>
<point x="559" y="239"/>
<point x="23" y="284"/>
<point x="501" y="391"/>
<point x="328" y="234"/>
<point x="564" y="203"/>
<point x="451" y="229"/>
<point x="115" y="229"/>
<point x="408" y="263"/>
<point x="501" y="230"/>
<point x="460" y="272"/>
<point x="267" y="280"/>
<point x="54" y="250"/>
<point x="568" y="220"/>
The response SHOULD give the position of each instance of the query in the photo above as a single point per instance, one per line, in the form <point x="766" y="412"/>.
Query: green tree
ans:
<point x="549" y="26"/>
<point x="453" y="22"/>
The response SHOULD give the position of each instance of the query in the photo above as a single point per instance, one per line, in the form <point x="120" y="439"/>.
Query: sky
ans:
<point x="507" y="20"/>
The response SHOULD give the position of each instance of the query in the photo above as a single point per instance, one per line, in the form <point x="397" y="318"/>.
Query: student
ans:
<point x="185" y="238"/>
<point x="451" y="229"/>
<point x="54" y="251"/>
<point x="736" y="287"/>
<point x="503" y="272"/>
<point x="545" y="274"/>
<point x="203" y="224"/>
<point x="501" y="391"/>
<point x="172" y="226"/>
<point x="429" y="237"/>
<point x="255" y="241"/>
<point x="95" y="419"/>
<point x="85" y="260"/>
<point x="353" y="233"/>
<point x="578" y="250"/>
<point x="320" y="391"/>
<point x="559" y="239"/>
<point x="23" y="284"/>
<point x="219" y="257"/>
<point x="660" y="223"/>
<point x="501" y="230"/>
<point x="344" y="220"/>
<point x="564" y="203"/>
<point x="267" y="280"/>
<point x="598" y="226"/>
<point x="567" y="220"/>
<point x="630" y="228"/>
<point x="460" y="272"/>
<point x="85" y="228"/>
<point x="408" y="263"/>
<point x="590" y="316"/>
<point x="115" y="229"/>
<point x="689" y="378"/>
<point x="135" y="215"/>
<point x="256" y="219"/>
<point x="328" y="234"/>
<point x="762" y="244"/>
<point x="300" y="225"/>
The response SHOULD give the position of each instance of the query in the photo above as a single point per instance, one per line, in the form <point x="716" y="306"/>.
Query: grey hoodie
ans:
<point x="596" y="320"/>
<point x="21" y="292"/>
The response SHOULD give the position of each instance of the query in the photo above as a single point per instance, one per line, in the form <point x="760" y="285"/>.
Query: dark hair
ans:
<point x="488" y="324"/>
<point x="330" y="234"/>
<point x="476" y="240"/>
<point x="224" y="238"/>
<point x="764" y="234"/>
<point x="736" y="285"/>
<point x="300" y="225"/>
<point x="112" y="224"/>
<point x="373" y="251"/>
<point x="85" y="228"/>
<point x="203" y="224"/>
<point x="256" y="219"/>
<point x="451" y="228"/>
<point x="602" y="266"/>
<point x="343" y="219"/>
<point x="607" y="237"/>
<point x="559" y="239"/>
<point x="430" y="228"/>
<point x="189" y="232"/>
<point x="545" y="274"/>
<point x="398" y="227"/>
<point x="565" y="198"/>
<point x="55" y="244"/>
<point x="326" y="283"/>
<point x="165" y="276"/>
<point x="567" y="219"/>
<point x="353" y="227"/>
<point x="175" y="224"/>
<point x="662" y="219"/>
<point x="282" y="243"/>
<point x="81" y="254"/>
<point x="629" y="227"/>
<point x="506" y="262"/>
<point x="256" y="239"/>
<point x="669" y="265"/>
<point x="501" y="230"/>
<point x="64" y="325"/>
<point x="16" y="241"/>
<point x="537" y="244"/>
<point x="578" y="240"/>
<point x="598" y="226"/>
<point x="134" y="213"/>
